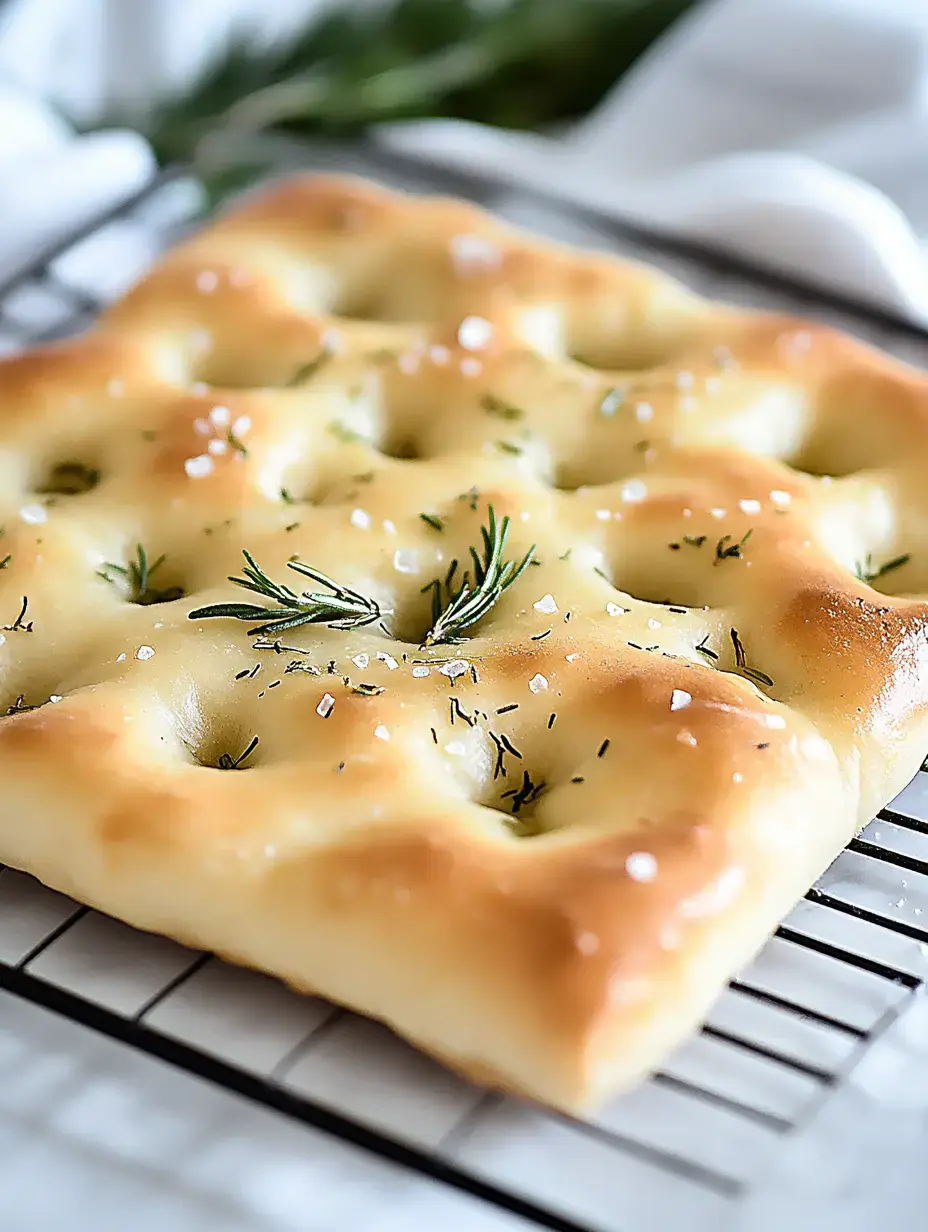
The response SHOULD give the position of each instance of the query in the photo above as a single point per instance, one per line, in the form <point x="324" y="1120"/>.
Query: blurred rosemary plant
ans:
<point x="512" y="63"/>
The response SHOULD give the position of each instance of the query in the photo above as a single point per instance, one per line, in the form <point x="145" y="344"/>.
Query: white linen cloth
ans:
<point x="792" y="132"/>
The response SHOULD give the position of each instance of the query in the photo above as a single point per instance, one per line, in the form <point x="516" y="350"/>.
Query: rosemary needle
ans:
<point x="456" y="610"/>
<point x="342" y="608"/>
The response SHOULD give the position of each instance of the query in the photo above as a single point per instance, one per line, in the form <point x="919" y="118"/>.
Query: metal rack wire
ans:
<point x="687" y="1144"/>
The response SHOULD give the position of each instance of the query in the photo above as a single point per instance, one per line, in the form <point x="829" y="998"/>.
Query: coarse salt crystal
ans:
<point x="473" y="253"/>
<point x="635" y="490"/>
<point x="389" y="527"/>
<point x="420" y="671"/>
<point x="199" y="467"/>
<point x="55" y="697"/>
<point x="603" y="515"/>
<point x="737" y="777"/>
<point x="242" y="425"/>
<point x="570" y="658"/>
<point x="220" y="415"/>
<point x="717" y="513"/>
<point x="686" y="737"/>
<point x="641" y="866"/>
<point x="546" y="604"/>
<point x="326" y="705"/>
<point x="538" y="683"/>
<point x="614" y="609"/>
<point x="381" y="732"/>
<point x="203" y="427"/>
<point x="406" y="560"/>
<point x="121" y="658"/>
<point x="587" y="943"/>
<point x="776" y="721"/>
<point x="749" y="506"/>
<point x="388" y="659"/>
<point x="680" y="699"/>
<point x="360" y="518"/>
<point x="653" y="624"/>
<point x="644" y="412"/>
<point x="474" y="333"/>
<point x="454" y="668"/>
<point x="361" y="660"/>
<point x="35" y="515"/>
<point x="145" y="652"/>
<point x="779" y="497"/>
<point x="216" y="447"/>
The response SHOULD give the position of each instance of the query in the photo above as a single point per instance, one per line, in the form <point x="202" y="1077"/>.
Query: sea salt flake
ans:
<point x="546" y="604"/>
<point x="198" y="467"/>
<point x="538" y="683"/>
<point x="421" y="671"/>
<point x="474" y="333"/>
<point x="220" y="415"/>
<point x="680" y="699"/>
<point x="145" y="652"/>
<point x="35" y="515"/>
<point x="454" y="668"/>
<point x="635" y="490"/>
<point x="360" y="518"/>
<point x="614" y="609"/>
<point x="644" y="412"/>
<point x="641" y="866"/>
<point x="653" y="624"/>
<point x="391" y="663"/>
<point x="216" y="447"/>
<point x="780" y="498"/>
<point x="326" y="705"/>
<point x="749" y="506"/>
<point x="361" y="660"/>
<point x="406" y="560"/>
<point x="381" y="732"/>
<point x="242" y="425"/>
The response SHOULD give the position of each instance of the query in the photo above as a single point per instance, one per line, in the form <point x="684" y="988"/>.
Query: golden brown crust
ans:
<point x="711" y="713"/>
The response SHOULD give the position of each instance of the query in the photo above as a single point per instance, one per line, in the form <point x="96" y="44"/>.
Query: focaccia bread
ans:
<point x="539" y="851"/>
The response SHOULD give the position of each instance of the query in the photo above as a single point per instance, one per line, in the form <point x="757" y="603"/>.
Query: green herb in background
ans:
<point x="514" y="63"/>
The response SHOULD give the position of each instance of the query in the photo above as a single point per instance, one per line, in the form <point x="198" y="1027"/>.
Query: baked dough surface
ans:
<point x="687" y="783"/>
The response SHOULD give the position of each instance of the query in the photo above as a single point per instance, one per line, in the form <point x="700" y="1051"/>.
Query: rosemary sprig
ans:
<point x="343" y="608"/>
<point x="137" y="576"/>
<point x="866" y="572"/>
<point x="456" y="610"/>
<point x="228" y="762"/>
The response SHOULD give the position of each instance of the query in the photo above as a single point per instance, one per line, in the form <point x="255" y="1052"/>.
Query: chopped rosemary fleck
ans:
<point x="292" y="526"/>
<point x="510" y="447"/>
<point x="695" y="541"/>
<point x="724" y="549"/>
<point x="603" y="748"/>
<point x="674" y="547"/>
<point x="472" y="495"/>
<point x="6" y="560"/>
<point x="237" y="444"/>
<point x="577" y="778"/>
<point x="434" y="735"/>
<point x="867" y="573"/>
<point x="502" y="410"/>
<point x="433" y="520"/>
<point x="308" y="370"/>
<point x="242" y="674"/>
<point x="458" y="610"/>
<point x="20" y="624"/>
<point x="527" y="793"/>
<point x="20" y="706"/>
<point x="551" y="717"/>
<point x="764" y="744"/>
<point x="287" y="496"/>
<point x="137" y="575"/>
<point x="506" y="709"/>
<point x="228" y="762"/>
<point x="342" y="432"/>
<point x="344" y="608"/>
<point x="364" y="690"/>
<point x="741" y="662"/>
<point x="540" y="637"/>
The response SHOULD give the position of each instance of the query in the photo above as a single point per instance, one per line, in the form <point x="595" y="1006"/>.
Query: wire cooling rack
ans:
<point x="682" y="1149"/>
